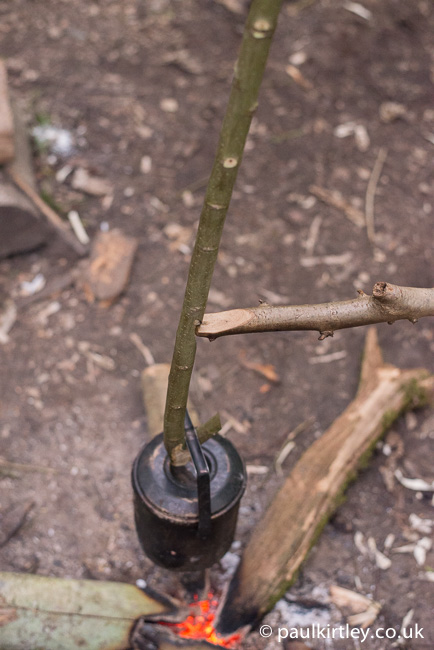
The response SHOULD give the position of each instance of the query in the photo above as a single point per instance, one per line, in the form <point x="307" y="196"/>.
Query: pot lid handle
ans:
<point x="203" y="479"/>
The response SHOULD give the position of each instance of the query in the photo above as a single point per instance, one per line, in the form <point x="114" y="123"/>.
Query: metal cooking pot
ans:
<point x="186" y="516"/>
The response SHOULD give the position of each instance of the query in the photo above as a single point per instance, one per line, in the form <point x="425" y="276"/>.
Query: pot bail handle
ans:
<point x="203" y="478"/>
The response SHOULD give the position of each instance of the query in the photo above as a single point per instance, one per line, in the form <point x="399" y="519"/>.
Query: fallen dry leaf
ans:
<point x="267" y="369"/>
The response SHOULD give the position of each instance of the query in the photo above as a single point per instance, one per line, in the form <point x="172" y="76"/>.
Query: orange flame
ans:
<point x="200" y="624"/>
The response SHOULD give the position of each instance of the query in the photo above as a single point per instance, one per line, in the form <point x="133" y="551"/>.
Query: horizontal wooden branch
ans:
<point x="387" y="304"/>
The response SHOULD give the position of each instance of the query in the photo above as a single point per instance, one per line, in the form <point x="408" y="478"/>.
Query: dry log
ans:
<point x="387" y="304"/>
<point x="7" y="147"/>
<point x="300" y="509"/>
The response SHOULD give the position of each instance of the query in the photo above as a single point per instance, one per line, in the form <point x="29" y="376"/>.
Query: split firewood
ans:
<point x="106" y="274"/>
<point x="309" y="495"/>
<point x="7" y="146"/>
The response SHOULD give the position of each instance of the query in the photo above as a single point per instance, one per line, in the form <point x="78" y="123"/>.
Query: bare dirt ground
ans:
<point x="105" y="71"/>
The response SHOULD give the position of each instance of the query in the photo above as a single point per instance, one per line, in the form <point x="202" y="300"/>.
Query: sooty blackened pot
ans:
<point x="186" y="517"/>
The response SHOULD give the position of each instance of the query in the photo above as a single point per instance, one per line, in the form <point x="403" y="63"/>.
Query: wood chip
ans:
<point x="185" y="61"/>
<point x="78" y="228"/>
<point x="391" y="111"/>
<point x="423" y="526"/>
<point x="417" y="484"/>
<point x="380" y="559"/>
<point x="105" y="275"/>
<point x="359" y="10"/>
<point x="234" y="6"/>
<point x="345" y="598"/>
<point x="8" y="316"/>
<point x="298" y="77"/>
<point x="256" y="469"/>
<point x="364" y="610"/>
<point x="327" y="358"/>
<point x="93" y="185"/>
<point x="327" y="260"/>
<point x="146" y="352"/>
<point x="365" y="619"/>
<point x="422" y="547"/>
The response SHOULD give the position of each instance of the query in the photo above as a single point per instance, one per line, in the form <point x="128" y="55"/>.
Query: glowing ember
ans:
<point x="199" y="624"/>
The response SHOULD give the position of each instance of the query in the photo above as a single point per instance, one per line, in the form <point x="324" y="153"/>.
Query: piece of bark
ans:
<point x="106" y="274"/>
<point x="7" y="146"/>
<point x="302" y="506"/>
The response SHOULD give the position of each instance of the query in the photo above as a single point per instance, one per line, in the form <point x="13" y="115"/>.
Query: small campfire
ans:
<point x="199" y="624"/>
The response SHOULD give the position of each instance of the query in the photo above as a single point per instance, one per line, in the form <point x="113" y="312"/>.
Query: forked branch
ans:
<point x="388" y="303"/>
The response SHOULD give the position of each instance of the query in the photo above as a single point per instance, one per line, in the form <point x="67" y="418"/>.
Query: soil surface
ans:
<point x="141" y="87"/>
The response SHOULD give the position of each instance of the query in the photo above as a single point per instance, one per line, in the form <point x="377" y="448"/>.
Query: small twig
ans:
<point x="387" y="304"/>
<point x="370" y="193"/>
<point x="335" y="200"/>
<point x="326" y="358"/>
<point x="146" y="352"/>
<point x="78" y="228"/>
<point x="312" y="238"/>
<point x="6" y="466"/>
<point x="49" y="213"/>
<point x="289" y="444"/>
